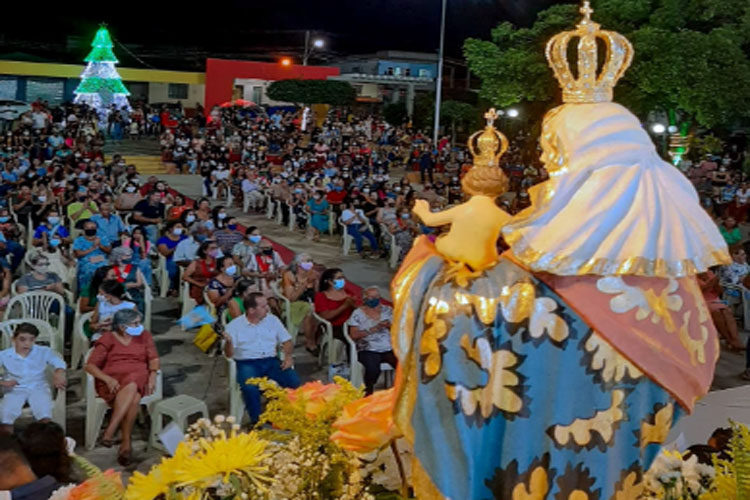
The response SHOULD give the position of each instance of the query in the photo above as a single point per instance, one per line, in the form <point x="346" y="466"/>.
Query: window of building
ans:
<point x="356" y="69"/>
<point x="177" y="91"/>
<point x="359" y="89"/>
<point x="389" y="71"/>
<point x="407" y="72"/>
<point x="257" y="95"/>
<point x="424" y="73"/>
<point x="397" y="71"/>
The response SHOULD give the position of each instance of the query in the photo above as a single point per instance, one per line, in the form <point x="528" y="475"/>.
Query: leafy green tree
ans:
<point x="312" y="92"/>
<point x="457" y="113"/>
<point x="691" y="58"/>
<point x="395" y="113"/>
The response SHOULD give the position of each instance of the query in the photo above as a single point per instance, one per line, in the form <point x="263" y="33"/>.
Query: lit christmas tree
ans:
<point x="101" y="85"/>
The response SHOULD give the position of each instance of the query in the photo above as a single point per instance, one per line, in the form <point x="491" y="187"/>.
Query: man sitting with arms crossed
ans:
<point x="252" y="340"/>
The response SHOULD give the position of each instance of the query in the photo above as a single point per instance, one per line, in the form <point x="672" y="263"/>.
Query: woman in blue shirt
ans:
<point x="166" y="245"/>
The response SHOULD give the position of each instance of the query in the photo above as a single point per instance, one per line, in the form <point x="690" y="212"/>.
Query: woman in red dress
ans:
<point x="333" y="303"/>
<point x="202" y="270"/>
<point x="124" y="363"/>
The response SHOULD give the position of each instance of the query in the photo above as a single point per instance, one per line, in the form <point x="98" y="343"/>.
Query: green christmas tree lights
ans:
<point x="101" y="85"/>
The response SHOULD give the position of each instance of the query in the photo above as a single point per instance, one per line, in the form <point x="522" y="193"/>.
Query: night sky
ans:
<point x="251" y="27"/>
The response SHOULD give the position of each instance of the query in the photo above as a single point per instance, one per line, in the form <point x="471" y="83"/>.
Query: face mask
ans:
<point x="177" y="231"/>
<point x="267" y="251"/>
<point x="209" y="225"/>
<point x="134" y="331"/>
<point x="190" y="219"/>
<point x="130" y="189"/>
<point x="42" y="268"/>
<point x="216" y="253"/>
<point x="405" y="216"/>
<point x="101" y="298"/>
<point x="222" y="216"/>
<point x="200" y="237"/>
<point x="338" y="284"/>
<point x="53" y="220"/>
<point x="4" y="219"/>
<point x="254" y="238"/>
<point x="306" y="265"/>
<point x="372" y="302"/>
<point x="231" y="270"/>
<point x="90" y="232"/>
<point x="338" y="188"/>
<point x="398" y="189"/>
<point x="42" y="199"/>
<point x="232" y="227"/>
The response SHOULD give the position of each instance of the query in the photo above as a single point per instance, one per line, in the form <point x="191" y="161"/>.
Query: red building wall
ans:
<point x="221" y="73"/>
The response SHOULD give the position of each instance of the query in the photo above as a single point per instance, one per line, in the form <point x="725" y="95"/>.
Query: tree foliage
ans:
<point x="312" y="92"/>
<point x="395" y="113"/>
<point x="691" y="57"/>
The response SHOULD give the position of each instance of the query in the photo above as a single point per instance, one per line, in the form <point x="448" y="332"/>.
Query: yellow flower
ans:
<point x="367" y="424"/>
<point x="159" y="478"/>
<point x="240" y="454"/>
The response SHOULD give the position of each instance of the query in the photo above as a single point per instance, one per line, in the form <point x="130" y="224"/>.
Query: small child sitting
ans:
<point x="25" y="380"/>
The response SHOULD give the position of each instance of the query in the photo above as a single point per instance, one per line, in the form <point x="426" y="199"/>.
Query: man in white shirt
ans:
<point x="187" y="250"/>
<point x="25" y="378"/>
<point x="252" y="340"/>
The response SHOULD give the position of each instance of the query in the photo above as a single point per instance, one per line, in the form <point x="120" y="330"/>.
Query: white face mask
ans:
<point x="130" y="189"/>
<point x="190" y="219"/>
<point x="177" y="231"/>
<point x="306" y="265"/>
<point x="231" y="270"/>
<point x="222" y="216"/>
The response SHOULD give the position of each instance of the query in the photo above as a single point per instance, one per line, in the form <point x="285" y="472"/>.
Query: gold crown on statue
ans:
<point x="589" y="86"/>
<point x="490" y="143"/>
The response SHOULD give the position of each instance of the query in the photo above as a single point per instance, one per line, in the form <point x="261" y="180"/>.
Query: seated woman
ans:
<point x="129" y="276"/>
<point x="202" y="270"/>
<point x="317" y="207"/>
<point x="221" y="288"/>
<point x="177" y="209"/>
<point x="266" y="266"/>
<point x="88" y="296"/>
<point x="298" y="284"/>
<point x="236" y="306"/>
<point x="332" y="302"/>
<point x="51" y="233"/>
<point x="142" y="249"/>
<point x="124" y="363"/>
<point x="126" y="200"/>
<point x="370" y="328"/>
<point x="110" y="300"/>
<point x="40" y="278"/>
<point x="90" y="253"/>
<point x="721" y="314"/>
<point x="173" y="235"/>
<point x="5" y="276"/>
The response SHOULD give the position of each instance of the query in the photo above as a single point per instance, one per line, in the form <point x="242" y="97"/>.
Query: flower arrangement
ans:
<point x="673" y="477"/>
<point x="99" y="485"/>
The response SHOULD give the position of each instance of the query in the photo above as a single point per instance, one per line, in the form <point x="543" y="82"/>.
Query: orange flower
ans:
<point x="107" y="485"/>
<point x="314" y="395"/>
<point x="367" y="424"/>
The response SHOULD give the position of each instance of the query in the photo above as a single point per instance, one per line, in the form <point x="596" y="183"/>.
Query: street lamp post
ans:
<point x="439" y="83"/>
<point x="318" y="43"/>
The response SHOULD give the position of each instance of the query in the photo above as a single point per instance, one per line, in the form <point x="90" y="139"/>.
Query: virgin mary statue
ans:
<point x="555" y="370"/>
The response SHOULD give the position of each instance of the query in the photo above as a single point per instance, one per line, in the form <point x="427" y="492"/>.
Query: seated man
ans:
<point x="149" y="213"/>
<point x="108" y="225"/>
<point x="25" y="379"/>
<point x="16" y="476"/>
<point x="253" y="340"/>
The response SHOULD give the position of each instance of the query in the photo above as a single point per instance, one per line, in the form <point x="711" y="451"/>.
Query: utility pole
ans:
<point x="306" y="54"/>
<point x="439" y="83"/>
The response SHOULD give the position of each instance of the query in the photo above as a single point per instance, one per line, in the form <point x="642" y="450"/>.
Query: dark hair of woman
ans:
<point x="326" y="279"/>
<point x="45" y="448"/>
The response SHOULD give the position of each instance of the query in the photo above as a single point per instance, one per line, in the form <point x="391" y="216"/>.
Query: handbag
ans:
<point x="205" y="338"/>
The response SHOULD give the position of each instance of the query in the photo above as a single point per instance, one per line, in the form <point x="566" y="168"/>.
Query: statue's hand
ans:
<point x="421" y="209"/>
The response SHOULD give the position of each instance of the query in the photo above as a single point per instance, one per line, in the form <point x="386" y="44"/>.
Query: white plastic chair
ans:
<point x="286" y="311"/>
<point x="331" y="348"/>
<point x="209" y="305"/>
<point x="162" y="276"/>
<point x="270" y="205"/>
<point x="236" y="404"/>
<point x="744" y="297"/>
<point x="37" y="305"/>
<point x="188" y="304"/>
<point x="81" y="343"/>
<point x="148" y="300"/>
<point x="59" y="398"/>
<point x="96" y="408"/>
<point x="292" y="217"/>
<point x="279" y="214"/>
<point x="357" y="372"/>
<point x="395" y="250"/>
<point x="47" y="333"/>
<point x="29" y="235"/>
<point x="346" y="238"/>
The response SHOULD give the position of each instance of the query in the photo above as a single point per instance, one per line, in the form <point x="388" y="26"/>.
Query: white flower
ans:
<point x="219" y="419"/>
<point x="62" y="493"/>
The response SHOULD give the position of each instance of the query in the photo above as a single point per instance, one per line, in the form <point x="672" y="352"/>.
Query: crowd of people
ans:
<point x="105" y="240"/>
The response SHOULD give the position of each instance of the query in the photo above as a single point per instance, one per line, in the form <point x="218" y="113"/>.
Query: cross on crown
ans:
<point x="491" y="116"/>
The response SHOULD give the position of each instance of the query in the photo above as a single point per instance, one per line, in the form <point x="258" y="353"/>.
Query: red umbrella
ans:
<point x="238" y="102"/>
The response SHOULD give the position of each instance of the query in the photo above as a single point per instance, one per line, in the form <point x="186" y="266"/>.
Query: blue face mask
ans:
<point x="254" y="238"/>
<point x="134" y="331"/>
<point x="4" y="219"/>
<point x="200" y="237"/>
<point x="54" y="242"/>
<point x="338" y="284"/>
<point x="338" y="188"/>
<point x="232" y="227"/>
<point x="372" y="302"/>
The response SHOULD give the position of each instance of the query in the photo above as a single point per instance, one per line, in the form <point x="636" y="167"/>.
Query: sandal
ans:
<point x="125" y="458"/>
<point x="107" y="443"/>
<point x="314" y="352"/>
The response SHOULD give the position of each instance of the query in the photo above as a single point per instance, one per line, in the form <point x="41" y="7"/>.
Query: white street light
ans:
<point x="319" y="43"/>
<point x="672" y="129"/>
<point x="513" y="113"/>
<point x="658" y="128"/>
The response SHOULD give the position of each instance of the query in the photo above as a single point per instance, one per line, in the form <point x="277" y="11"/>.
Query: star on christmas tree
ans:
<point x="101" y="85"/>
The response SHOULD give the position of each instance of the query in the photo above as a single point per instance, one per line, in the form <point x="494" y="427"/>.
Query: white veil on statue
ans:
<point x="611" y="204"/>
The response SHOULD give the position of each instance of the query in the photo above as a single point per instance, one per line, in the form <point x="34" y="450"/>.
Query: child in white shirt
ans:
<point x="25" y="379"/>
